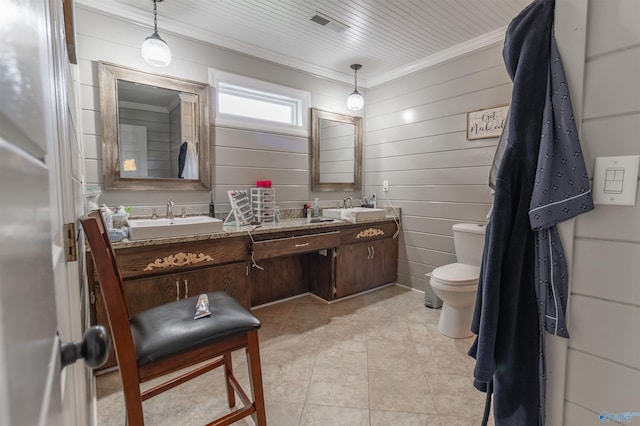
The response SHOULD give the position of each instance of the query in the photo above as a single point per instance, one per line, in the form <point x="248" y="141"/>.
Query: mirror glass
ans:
<point x="155" y="130"/>
<point x="336" y="151"/>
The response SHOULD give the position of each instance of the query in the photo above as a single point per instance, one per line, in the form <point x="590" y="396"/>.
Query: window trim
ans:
<point x="282" y="94"/>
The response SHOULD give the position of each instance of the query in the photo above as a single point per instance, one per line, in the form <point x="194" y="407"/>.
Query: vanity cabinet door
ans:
<point x="366" y="265"/>
<point x="352" y="269"/>
<point x="145" y="293"/>
<point x="384" y="261"/>
<point x="230" y="278"/>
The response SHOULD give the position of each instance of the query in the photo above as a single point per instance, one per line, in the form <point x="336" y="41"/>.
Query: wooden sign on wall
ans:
<point x="486" y="123"/>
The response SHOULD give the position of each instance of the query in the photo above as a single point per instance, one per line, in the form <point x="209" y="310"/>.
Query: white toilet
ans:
<point x="456" y="283"/>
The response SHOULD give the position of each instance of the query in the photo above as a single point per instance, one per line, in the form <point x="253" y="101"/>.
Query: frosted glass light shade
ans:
<point x="155" y="51"/>
<point x="355" y="101"/>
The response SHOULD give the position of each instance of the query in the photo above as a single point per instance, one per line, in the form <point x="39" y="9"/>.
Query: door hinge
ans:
<point x="92" y="298"/>
<point x="334" y="290"/>
<point x="70" y="246"/>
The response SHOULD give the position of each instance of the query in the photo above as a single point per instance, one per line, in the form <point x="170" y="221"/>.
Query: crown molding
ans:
<point x="171" y="26"/>
<point x="480" y="42"/>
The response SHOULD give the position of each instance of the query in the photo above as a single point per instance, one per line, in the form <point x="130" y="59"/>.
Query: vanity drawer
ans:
<point x="138" y="262"/>
<point x="295" y="245"/>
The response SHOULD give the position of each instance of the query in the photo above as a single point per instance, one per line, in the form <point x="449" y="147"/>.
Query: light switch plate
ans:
<point x="615" y="180"/>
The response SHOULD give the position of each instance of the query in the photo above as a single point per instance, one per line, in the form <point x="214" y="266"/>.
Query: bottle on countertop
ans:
<point x="212" y="211"/>
<point x="374" y="201"/>
<point x="316" y="208"/>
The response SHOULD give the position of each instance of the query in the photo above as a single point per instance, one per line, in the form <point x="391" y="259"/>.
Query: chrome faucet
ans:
<point x="170" y="205"/>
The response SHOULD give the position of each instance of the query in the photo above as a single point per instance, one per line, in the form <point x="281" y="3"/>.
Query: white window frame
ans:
<point x="270" y="92"/>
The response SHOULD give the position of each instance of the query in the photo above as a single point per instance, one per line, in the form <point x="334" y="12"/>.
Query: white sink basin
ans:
<point x="355" y="214"/>
<point x="145" y="229"/>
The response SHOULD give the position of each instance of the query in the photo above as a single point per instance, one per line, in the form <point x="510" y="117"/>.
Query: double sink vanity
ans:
<point x="257" y="265"/>
<point x="345" y="252"/>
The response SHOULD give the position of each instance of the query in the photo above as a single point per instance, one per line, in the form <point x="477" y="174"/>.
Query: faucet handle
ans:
<point x="184" y="212"/>
<point x="154" y="214"/>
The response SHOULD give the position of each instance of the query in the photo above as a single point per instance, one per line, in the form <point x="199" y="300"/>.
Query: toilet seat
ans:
<point x="456" y="274"/>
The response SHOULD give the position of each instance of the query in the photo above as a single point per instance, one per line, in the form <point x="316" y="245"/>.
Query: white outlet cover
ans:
<point x="615" y="180"/>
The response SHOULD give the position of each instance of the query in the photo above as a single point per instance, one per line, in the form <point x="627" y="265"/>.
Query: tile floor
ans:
<point x="373" y="360"/>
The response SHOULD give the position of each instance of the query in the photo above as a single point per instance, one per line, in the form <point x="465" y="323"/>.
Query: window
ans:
<point x="247" y="103"/>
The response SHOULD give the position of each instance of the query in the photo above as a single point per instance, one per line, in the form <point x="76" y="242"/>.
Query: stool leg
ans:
<point x="255" y="377"/>
<point x="228" y="371"/>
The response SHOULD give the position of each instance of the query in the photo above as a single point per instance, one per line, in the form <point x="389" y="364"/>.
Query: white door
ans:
<point x="133" y="151"/>
<point x="33" y="267"/>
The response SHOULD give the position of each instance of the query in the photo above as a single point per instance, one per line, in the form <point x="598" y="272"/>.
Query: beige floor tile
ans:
<point x="287" y="381"/>
<point x="317" y="415"/>
<point x="400" y="391"/>
<point x="455" y="396"/>
<point x="462" y="421"/>
<point x="396" y="331"/>
<point x="385" y="354"/>
<point x="290" y="347"/>
<point x="281" y="309"/>
<point x="309" y="298"/>
<point x="346" y="329"/>
<point x="338" y="352"/>
<point x="345" y="307"/>
<point x="395" y="418"/>
<point x="339" y="387"/>
<point x="444" y="357"/>
<point x="283" y="413"/>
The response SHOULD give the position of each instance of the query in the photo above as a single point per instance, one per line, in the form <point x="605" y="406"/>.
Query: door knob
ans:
<point x="94" y="348"/>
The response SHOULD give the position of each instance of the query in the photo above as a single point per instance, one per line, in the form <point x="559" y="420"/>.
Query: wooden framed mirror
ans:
<point x="155" y="131"/>
<point x="336" y="151"/>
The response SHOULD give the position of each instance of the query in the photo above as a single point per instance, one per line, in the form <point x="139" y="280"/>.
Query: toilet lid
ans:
<point x="456" y="274"/>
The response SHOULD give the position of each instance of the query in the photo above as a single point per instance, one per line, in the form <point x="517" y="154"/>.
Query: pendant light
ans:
<point x="355" y="101"/>
<point x="155" y="50"/>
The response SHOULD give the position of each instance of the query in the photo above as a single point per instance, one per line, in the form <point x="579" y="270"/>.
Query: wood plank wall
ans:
<point x="603" y="362"/>
<point x="416" y="139"/>
<point x="238" y="157"/>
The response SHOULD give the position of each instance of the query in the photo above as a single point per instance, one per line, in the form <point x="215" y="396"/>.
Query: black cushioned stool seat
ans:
<point x="168" y="329"/>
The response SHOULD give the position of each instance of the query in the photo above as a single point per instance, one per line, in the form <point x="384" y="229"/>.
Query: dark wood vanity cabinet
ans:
<point x="145" y="293"/>
<point x="331" y="262"/>
<point x="366" y="258"/>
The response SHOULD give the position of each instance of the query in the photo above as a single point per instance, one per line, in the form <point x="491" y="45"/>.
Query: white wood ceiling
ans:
<point x="388" y="37"/>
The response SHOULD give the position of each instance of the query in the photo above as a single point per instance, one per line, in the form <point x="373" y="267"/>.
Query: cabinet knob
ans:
<point x="94" y="348"/>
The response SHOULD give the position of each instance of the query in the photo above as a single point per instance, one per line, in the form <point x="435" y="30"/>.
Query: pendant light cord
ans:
<point x="355" y="77"/>
<point x="155" y="17"/>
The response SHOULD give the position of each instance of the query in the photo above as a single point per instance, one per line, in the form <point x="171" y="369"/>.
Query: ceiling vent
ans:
<point x="329" y="23"/>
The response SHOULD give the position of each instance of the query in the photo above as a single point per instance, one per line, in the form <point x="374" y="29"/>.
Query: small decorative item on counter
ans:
<point x="202" y="307"/>
<point x="107" y="215"/>
<point x="117" y="234"/>
<point x="263" y="183"/>
<point x="120" y="217"/>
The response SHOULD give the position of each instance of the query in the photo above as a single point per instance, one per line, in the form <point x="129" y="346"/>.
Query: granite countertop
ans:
<point x="290" y="224"/>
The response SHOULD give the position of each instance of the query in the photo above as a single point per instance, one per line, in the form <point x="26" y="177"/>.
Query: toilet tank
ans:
<point x="468" y="240"/>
